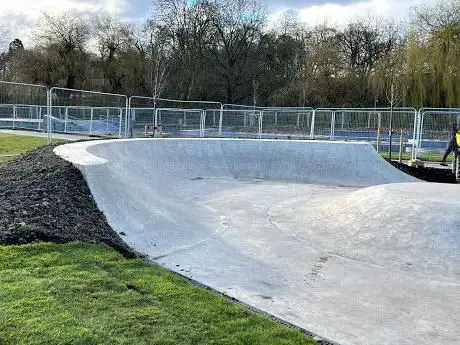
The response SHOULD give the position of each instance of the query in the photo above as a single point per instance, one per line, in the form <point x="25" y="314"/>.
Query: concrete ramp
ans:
<point x="325" y="235"/>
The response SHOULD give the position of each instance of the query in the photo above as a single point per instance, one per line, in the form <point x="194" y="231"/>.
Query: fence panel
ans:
<point x="23" y="106"/>
<point x="322" y="127"/>
<point x="180" y="123"/>
<point x="287" y="123"/>
<point x="142" y="112"/>
<point x="88" y="112"/>
<point x="435" y="130"/>
<point x="237" y="124"/>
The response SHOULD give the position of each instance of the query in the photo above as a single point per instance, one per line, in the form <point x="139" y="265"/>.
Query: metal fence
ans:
<point x="87" y="112"/>
<point x="181" y="120"/>
<point x="239" y="124"/>
<point x="23" y="106"/>
<point x="423" y="134"/>
<point x="288" y="123"/>
<point x="369" y="124"/>
<point x="434" y="132"/>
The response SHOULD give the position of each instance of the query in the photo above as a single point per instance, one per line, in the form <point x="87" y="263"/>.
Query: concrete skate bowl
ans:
<point x="324" y="235"/>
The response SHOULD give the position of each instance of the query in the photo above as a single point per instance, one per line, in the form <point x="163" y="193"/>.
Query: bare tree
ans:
<point x="186" y="24"/>
<point x="431" y="18"/>
<point x="237" y="27"/>
<point x="152" y="44"/>
<point x="112" y="38"/>
<point x="66" y="35"/>
<point x="289" y="24"/>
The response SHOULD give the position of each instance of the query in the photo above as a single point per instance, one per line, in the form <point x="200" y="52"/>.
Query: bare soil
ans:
<point x="44" y="198"/>
<point x="427" y="173"/>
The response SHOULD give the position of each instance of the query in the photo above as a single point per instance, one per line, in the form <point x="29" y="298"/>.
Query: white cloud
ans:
<point x="339" y="14"/>
<point x="20" y="17"/>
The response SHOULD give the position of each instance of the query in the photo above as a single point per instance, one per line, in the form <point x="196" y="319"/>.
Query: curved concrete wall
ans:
<point x="335" y="163"/>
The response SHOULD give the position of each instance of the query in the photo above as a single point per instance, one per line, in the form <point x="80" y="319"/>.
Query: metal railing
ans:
<point x="422" y="133"/>
<point x="88" y="112"/>
<point x="23" y="106"/>
<point x="434" y="131"/>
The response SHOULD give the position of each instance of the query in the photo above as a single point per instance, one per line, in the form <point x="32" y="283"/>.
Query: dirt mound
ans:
<point x="426" y="173"/>
<point x="44" y="198"/>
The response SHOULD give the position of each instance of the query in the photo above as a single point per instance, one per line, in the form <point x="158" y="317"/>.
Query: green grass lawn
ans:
<point x="88" y="294"/>
<point x="16" y="144"/>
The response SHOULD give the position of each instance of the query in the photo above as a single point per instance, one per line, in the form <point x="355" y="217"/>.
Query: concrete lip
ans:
<point x="324" y="235"/>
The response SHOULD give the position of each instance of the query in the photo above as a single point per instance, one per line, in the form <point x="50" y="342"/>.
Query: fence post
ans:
<point x="312" y="127"/>
<point x="91" y="121"/>
<point x="120" y="121"/>
<point x="66" y="118"/>
<point x="221" y="120"/>
<point x="40" y="119"/>
<point x="202" y="123"/>
<point x="401" y="146"/>
<point x="332" y="126"/>
<point x="14" y="115"/>
<point x="48" y="105"/>
<point x="260" y="124"/>
<point x="415" y="135"/>
<point x="128" y="110"/>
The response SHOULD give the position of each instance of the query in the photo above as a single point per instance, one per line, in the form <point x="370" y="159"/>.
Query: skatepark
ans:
<point x="326" y="236"/>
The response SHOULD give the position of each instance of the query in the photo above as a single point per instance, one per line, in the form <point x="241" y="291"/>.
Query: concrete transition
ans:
<point x="325" y="235"/>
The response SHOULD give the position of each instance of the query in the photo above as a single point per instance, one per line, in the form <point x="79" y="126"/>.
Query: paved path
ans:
<point x="325" y="235"/>
<point x="69" y="137"/>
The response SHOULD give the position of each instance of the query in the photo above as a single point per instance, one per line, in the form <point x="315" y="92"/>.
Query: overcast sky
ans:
<point x="20" y="17"/>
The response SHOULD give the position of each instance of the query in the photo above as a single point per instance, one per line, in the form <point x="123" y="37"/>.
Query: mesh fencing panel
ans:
<point x="287" y="123"/>
<point x="241" y="123"/>
<point x="435" y="132"/>
<point x="23" y="106"/>
<point x="88" y="112"/>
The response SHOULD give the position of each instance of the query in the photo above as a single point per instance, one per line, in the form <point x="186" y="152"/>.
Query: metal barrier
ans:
<point x="234" y="123"/>
<point x="180" y="122"/>
<point x="434" y="132"/>
<point x="87" y="112"/>
<point x="23" y="106"/>
<point x="141" y="108"/>
<point x="35" y="107"/>
<point x="295" y="123"/>
<point x="368" y="124"/>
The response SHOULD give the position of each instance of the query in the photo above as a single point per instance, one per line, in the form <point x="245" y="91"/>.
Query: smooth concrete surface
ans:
<point x="325" y="235"/>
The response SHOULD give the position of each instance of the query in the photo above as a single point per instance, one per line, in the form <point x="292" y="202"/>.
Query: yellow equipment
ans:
<point x="458" y="139"/>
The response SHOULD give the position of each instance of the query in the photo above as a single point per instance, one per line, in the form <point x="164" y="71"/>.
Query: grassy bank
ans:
<point x="16" y="144"/>
<point x="87" y="294"/>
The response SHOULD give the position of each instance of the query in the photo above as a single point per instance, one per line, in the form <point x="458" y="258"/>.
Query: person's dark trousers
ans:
<point x="450" y="148"/>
